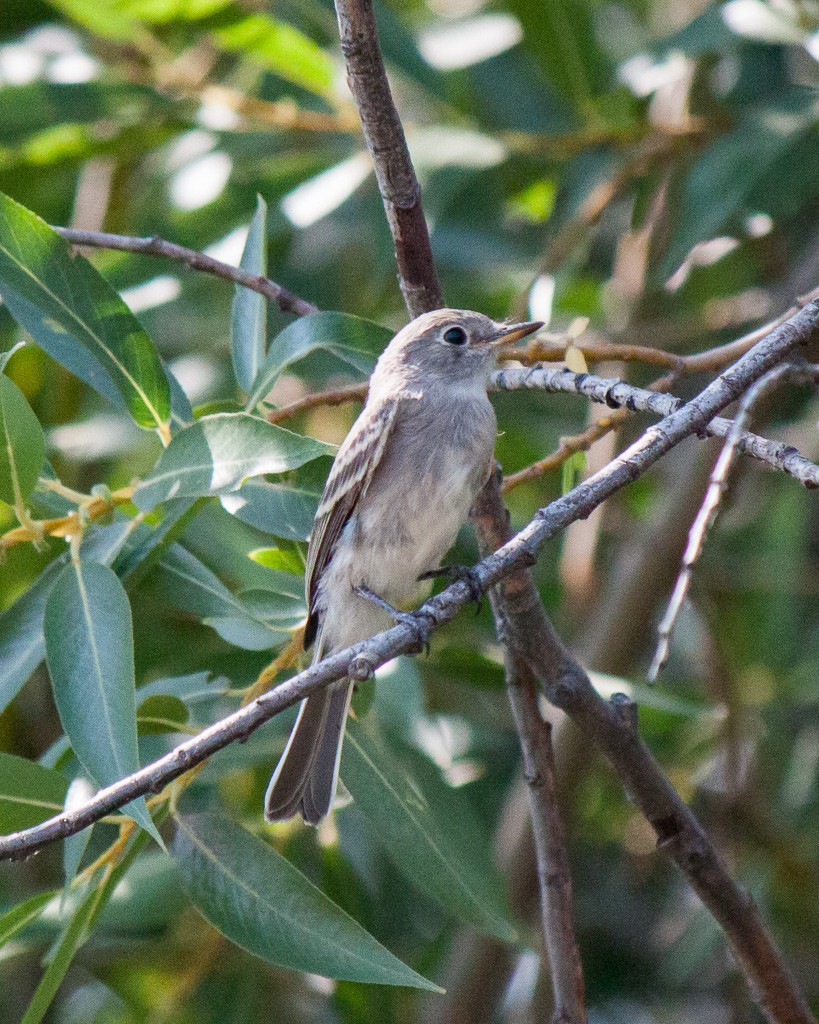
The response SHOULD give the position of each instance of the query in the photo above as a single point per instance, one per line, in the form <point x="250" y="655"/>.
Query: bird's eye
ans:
<point x="455" y="336"/>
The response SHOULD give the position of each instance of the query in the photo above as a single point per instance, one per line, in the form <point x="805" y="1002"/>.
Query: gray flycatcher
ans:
<point x="400" y="489"/>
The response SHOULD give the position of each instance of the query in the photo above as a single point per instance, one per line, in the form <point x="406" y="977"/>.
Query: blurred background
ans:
<point x="652" y="166"/>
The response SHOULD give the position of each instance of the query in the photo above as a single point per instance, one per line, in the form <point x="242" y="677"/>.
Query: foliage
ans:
<point x="616" y="162"/>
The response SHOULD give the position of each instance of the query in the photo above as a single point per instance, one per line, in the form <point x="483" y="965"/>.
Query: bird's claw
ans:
<point x="459" y="573"/>
<point x="418" y="622"/>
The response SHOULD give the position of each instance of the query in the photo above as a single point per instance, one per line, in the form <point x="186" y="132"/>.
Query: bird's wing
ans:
<point x="348" y="481"/>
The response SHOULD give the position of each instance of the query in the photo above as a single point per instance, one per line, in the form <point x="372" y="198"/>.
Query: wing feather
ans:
<point x="348" y="481"/>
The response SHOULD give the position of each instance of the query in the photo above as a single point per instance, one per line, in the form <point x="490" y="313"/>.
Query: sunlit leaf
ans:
<point x="265" y="905"/>
<point x="75" y="315"/>
<point x="215" y="454"/>
<point x="6" y="356"/>
<point x="356" y="343"/>
<point x="248" y="326"/>
<point x="22" y="445"/>
<point x="29" y="793"/>
<point x="426" y="828"/>
<point x="90" y="653"/>
<point x="280" y="48"/>
<point x="281" y="558"/>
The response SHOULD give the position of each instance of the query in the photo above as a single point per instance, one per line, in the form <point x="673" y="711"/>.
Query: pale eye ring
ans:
<point x="454" y="336"/>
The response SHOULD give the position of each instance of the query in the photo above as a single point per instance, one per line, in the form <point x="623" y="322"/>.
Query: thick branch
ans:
<point x="388" y="147"/>
<point x="286" y="300"/>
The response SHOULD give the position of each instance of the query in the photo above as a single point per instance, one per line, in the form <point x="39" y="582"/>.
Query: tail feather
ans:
<point x="306" y="777"/>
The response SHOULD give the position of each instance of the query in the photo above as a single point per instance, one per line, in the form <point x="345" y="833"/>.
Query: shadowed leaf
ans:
<point x="265" y="905"/>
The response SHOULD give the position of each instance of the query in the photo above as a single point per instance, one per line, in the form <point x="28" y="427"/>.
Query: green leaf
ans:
<point x="22" y="643"/>
<point x="265" y="905"/>
<point x="6" y="356"/>
<point x="280" y="610"/>
<point x="280" y="48"/>
<point x="427" y="829"/>
<point x="190" y="585"/>
<point x="355" y="342"/>
<point x="160" y="713"/>
<point x="22" y="445"/>
<point x="29" y="793"/>
<point x="215" y="454"/>
<point x="560" y="35"/>
<point x="19" y="917"/>
<point x="90" y="653"/>
<point x="125" y="19"/>
<point x="572" y="471"/>
<point x="725" y="175"/>
<point x="248" y="323"/>
<point x="246" y="632"/>
<point x="285" y="510"/>
<point x="74" y="314"/>
<point x="73" y="936"/>
<point x="282" y="559"/>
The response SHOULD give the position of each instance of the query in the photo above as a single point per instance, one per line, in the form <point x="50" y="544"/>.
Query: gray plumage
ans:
<point x="399" y="491"/>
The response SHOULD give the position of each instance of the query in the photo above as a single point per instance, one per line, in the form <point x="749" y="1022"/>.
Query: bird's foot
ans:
<point x="420" y="624"/>
<point x="464" y="573"/>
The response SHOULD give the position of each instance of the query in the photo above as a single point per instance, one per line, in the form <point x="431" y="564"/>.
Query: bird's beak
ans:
<point x="514" y="332"/>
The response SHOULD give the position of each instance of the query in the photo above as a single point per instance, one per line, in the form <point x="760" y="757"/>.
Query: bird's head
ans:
<point x="456" y="344"/>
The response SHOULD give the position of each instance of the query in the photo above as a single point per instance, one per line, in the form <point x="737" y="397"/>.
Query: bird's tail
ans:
<point x="306" y="777"/>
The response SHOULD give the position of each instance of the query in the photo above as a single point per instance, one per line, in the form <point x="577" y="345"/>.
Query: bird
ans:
<point x="400" y="488"/>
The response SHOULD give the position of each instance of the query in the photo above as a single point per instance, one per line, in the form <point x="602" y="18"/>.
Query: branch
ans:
<point x="286" y="300"/>
<point x="619" y="395"/>
<point x="388" y="147"/>
<point x="491" y="522"/>
<point x="712" y="359"/>
<point x="336" y="396"/>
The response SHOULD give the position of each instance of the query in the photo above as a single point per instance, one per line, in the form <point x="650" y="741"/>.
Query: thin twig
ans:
<point x="335" y="396"/>
<point x="624" y="399"/>
<point x="712" y="359"/>
<point x="388" y="146"/>
<point x="709" y="510"/>
<point x="286" y="300"/>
